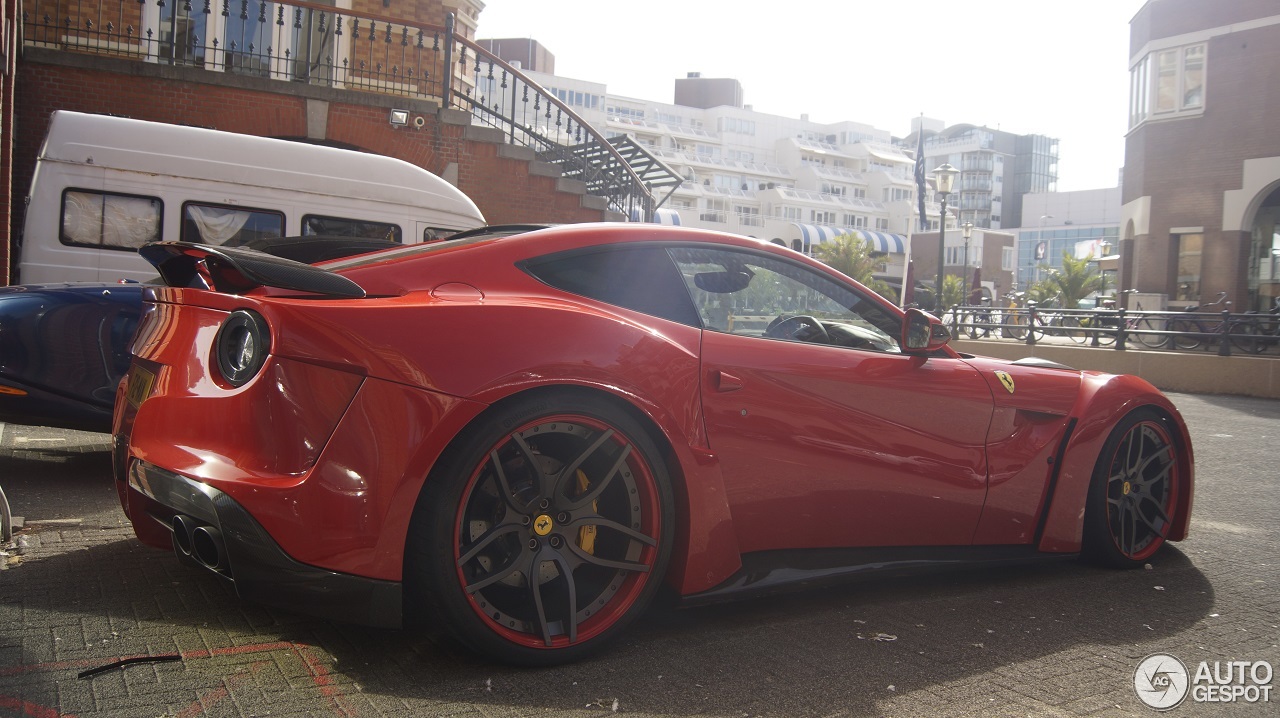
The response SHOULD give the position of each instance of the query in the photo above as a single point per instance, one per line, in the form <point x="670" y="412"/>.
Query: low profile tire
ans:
<point x="543" y="533"/>
<point x="1133" y="492"/>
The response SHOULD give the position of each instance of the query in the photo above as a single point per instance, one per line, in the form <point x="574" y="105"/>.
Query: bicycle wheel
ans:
<point x="1106" y="334"/>
<point x="1015" y="326"/>
<point x="1186" y="333"/>
<point x="968" y="326"/>
<point x="1244" y="337"/>
<point x="1151" y="332"/>
<point x="1072" y="329"/>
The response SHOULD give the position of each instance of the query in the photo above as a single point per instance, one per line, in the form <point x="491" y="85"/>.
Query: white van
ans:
<point x="104" y="186"/>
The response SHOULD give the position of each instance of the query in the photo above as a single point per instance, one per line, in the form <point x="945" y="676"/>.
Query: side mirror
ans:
<point x="923" y="333"/>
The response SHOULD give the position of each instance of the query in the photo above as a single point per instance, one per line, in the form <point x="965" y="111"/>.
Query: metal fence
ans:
<point x="1222" y="332"/>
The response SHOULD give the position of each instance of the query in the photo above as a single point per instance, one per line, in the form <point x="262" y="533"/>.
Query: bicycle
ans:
<point x="1263" y="329"/>
<point x="1017" y="323"/>
<point x="1144" y="327"/>
<point x="1189" y="332"/>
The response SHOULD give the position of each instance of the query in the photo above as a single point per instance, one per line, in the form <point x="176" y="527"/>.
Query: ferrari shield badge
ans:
<point x="1005" y="379"/>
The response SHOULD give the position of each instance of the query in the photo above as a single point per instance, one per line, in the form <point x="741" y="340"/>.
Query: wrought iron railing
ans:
<point x="302" y="42"/>
<point x="1222" y="332"/>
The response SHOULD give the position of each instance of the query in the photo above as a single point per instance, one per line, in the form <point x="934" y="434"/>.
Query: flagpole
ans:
<point x="906" y="268"/>
<point x="920" y="189"/>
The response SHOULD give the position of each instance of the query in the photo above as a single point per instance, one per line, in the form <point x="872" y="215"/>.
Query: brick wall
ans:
<point x="1186" y="164"/>
<point x="503" y="181"/>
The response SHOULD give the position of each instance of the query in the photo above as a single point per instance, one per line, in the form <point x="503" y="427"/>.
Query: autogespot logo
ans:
<point x="1161" y="681"/>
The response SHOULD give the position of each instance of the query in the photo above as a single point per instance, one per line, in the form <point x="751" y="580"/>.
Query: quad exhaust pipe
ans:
<point x="199" y="542"/>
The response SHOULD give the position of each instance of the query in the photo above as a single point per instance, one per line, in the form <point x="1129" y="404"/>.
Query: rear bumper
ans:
<point x="255" y="564"/>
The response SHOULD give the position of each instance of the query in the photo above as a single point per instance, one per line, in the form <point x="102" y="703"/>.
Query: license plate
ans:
<point x="141" y="380"/>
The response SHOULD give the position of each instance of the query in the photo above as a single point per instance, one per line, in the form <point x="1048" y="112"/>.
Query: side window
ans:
<point x="232" y="226"/>
<point x="642" y="279"/>
<point x="340" y="227"/>
<point x="746" y="293"/>
<point x="108" y="220"/>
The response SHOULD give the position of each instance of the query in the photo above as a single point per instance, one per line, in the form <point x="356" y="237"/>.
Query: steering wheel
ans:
<point x="798" y="327"/>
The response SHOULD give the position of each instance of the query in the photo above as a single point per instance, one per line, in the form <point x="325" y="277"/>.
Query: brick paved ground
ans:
<point x="1060" y="639"/>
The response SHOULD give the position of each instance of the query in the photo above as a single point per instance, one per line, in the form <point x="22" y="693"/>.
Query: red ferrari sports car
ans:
<point x="520" y="437"/>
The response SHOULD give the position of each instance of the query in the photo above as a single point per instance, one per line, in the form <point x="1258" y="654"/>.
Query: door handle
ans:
<point x="724" y="381"/>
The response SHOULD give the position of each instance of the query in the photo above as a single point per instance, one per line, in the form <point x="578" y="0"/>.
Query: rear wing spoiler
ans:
<point x="237" y="270"/>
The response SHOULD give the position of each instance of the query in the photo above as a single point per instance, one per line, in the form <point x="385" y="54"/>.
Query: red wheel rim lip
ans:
<point x="633" y="584"/>
<point x="1170" y="503"/>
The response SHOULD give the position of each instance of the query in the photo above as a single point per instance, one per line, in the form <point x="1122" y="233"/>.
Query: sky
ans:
<point x="1024" y="66"/>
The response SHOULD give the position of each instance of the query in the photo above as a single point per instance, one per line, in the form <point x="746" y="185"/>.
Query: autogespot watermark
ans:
<point x="1163" y="682"/>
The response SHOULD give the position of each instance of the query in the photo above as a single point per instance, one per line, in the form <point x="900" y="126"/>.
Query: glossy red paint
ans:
<point x="824" y="447"/>
<point x="771" y="444"/>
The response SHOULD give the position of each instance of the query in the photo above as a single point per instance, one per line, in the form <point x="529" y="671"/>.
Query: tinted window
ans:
<point x="641" y="279"/>
<point x="232" y="226"/>
<point x="108" y="220"/>
<point x="340" y="227"/>
<point x="741" y="292"/>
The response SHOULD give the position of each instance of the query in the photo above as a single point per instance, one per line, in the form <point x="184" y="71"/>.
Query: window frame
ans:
<point x="62" y="218"/>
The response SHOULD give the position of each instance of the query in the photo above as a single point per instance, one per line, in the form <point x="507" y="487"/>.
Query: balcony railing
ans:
<point x="300" y="42"/>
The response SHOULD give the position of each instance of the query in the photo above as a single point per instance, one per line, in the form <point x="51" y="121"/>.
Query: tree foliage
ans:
<point x="852" y="257"/>
<point x="1077" y="279"/>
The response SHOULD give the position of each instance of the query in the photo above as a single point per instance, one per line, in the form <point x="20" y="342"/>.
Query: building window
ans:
<point x="818" y="216"/>
<point x="1193" y="77"/>
<point x="716" y="211"/>
<point x="1189" y="247"/>
<point x="1006" y="259"/>
<point x="1167" y="83"/>
<point x="882" y="223"/>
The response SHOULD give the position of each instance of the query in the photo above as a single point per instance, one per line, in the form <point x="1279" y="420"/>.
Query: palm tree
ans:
<point x="852" y="257"/>
<point x="953" y="292"/>
<point x="1076" y="280"/>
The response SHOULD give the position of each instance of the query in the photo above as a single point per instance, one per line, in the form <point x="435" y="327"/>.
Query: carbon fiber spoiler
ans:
<point x="237" y="270"/>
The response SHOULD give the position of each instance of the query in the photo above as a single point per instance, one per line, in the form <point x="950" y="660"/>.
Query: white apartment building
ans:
<point x="788" y="180"/>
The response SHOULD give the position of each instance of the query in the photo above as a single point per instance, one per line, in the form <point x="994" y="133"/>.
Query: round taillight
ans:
<point x="241" y="347"/>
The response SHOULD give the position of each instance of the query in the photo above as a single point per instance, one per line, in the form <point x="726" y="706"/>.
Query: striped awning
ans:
<point x="812" y="234"/>
<point x="660" y="216"/>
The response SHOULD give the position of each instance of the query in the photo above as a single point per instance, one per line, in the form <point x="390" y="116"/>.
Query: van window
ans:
<point x="216" y="224"/>
<point x="316" y="224"/>
<point x="108" y="220"/>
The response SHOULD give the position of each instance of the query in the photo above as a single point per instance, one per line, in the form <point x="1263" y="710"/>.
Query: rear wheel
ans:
<point x="1133" y="492"/>
<point x="545" y="534"/>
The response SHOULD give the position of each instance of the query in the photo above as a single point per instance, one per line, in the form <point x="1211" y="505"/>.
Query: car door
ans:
<point x="838" y="440"/>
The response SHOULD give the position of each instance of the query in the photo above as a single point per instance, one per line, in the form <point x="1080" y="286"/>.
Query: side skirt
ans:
<point x="768" y="573"/>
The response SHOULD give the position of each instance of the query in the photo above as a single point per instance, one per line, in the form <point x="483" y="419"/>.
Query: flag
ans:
<point x="924" y="221"/>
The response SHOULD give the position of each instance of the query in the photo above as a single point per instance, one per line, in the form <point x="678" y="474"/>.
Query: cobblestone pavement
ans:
<point x="1059" y="639"/>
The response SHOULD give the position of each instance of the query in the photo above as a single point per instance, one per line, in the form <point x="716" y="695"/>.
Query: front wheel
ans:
<point x="1134" y="492"/>
<point x="545" y="533"/>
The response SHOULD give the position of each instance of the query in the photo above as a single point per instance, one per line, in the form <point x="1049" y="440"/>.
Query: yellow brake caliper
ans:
<point x="586" y="534"/>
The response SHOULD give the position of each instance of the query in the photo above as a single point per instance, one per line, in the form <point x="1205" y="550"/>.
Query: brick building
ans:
<point x="1201" y="191"/>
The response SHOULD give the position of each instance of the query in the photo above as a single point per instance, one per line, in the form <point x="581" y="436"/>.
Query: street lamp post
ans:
<point x="968" y="234"/>
<point x="967" y="229"/>
<point x="1045" y="242"/>
<point x="946" y="176"/>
